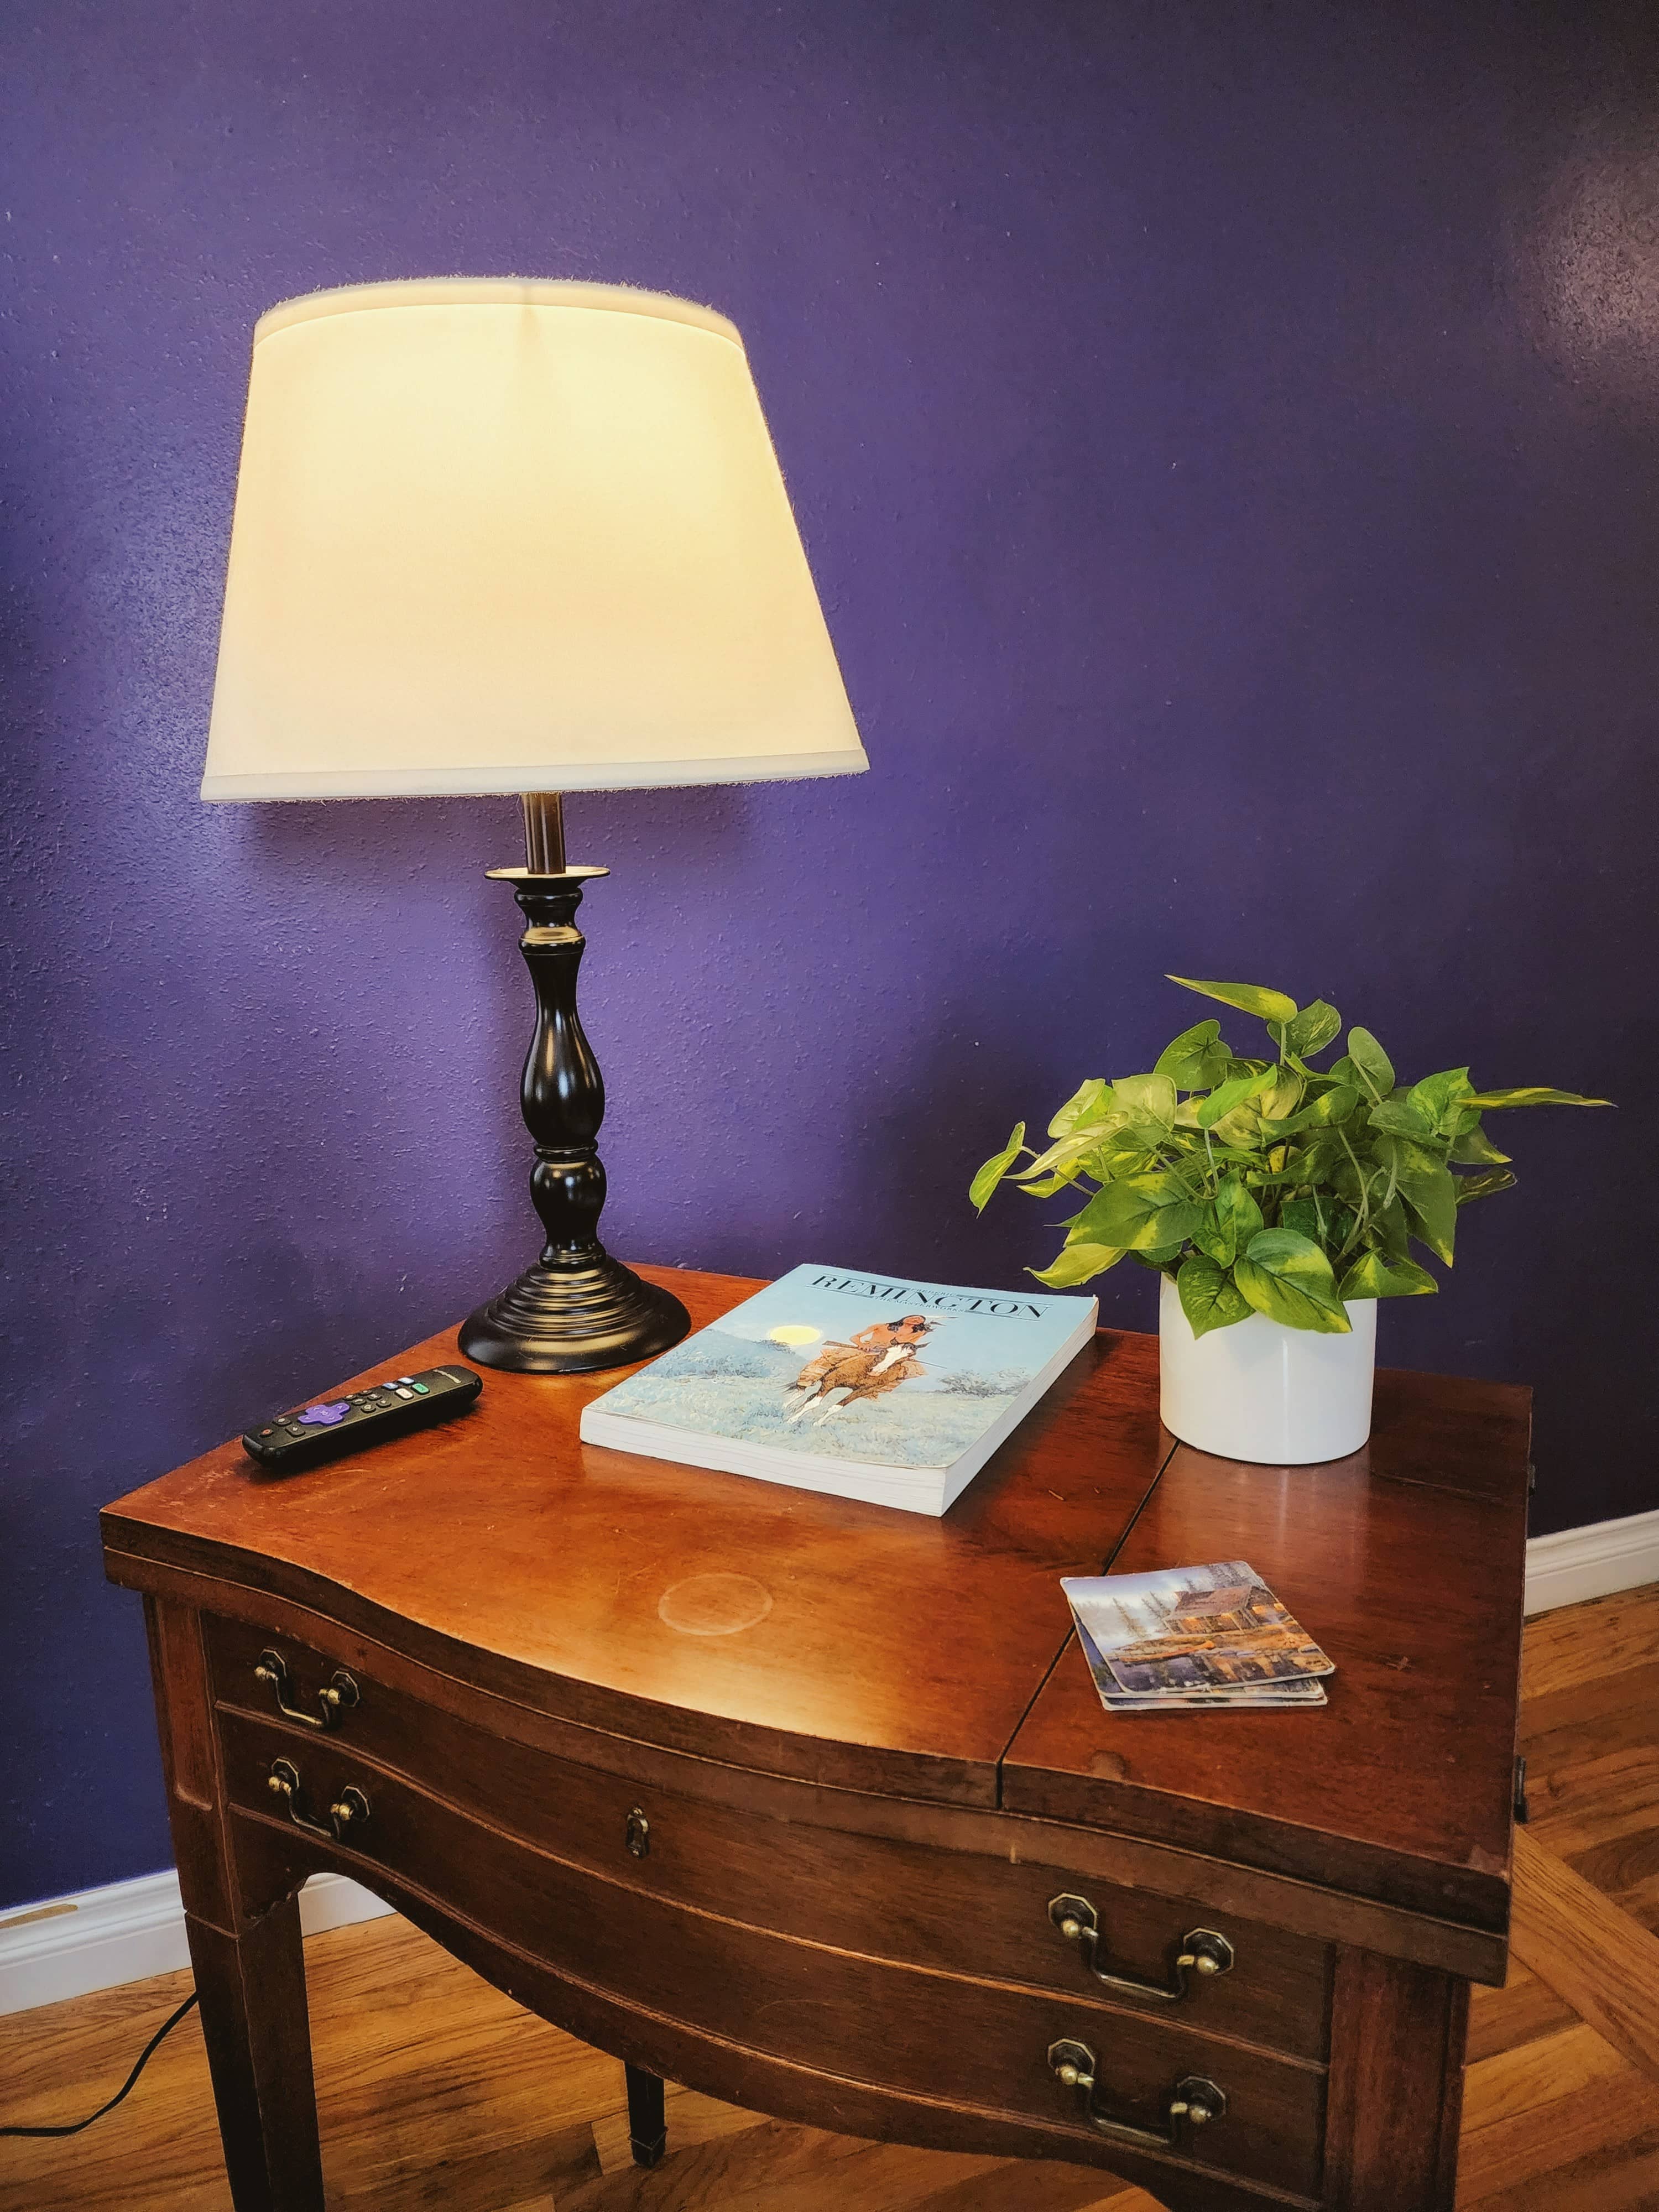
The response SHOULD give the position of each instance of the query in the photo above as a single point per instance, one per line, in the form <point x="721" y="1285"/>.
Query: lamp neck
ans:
<point x="544" y="832"/>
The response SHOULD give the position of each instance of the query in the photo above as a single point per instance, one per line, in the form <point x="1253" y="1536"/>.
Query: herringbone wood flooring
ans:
<point x="436" y="2091"/>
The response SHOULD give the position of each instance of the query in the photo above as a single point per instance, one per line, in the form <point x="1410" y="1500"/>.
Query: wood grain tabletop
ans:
<point x="815" y="1637"/>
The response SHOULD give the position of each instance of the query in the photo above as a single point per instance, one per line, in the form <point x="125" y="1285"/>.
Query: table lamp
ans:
<point x="528" y="537"/>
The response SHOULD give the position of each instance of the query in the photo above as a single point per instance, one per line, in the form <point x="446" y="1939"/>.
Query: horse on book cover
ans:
<point x="876" y="1360"/>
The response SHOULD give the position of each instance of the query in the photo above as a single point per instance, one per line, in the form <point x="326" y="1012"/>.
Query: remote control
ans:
<point x="334" y="1426"/>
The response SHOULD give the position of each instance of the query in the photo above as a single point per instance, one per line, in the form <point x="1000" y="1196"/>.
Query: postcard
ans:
<point x="1186" y="1632"/>
<point x="1273" y="1697"/>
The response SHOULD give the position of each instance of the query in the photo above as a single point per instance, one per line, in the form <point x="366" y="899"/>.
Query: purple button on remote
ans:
<point x="325" y="1417"/>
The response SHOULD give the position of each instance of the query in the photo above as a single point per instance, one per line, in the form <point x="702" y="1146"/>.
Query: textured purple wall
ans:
<point x="1225" y="442"/>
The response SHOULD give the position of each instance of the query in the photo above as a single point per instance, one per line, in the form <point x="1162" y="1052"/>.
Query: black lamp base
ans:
<point x="577" y="1309"/>
<point x="572" y="1320"/>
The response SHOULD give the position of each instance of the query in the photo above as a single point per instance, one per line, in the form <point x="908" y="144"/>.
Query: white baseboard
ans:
<point x="67" y="1945"/>
<point x="1592" y="1562"/>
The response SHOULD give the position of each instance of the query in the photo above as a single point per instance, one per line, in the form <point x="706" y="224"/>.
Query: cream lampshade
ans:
<point x="494" y="535"/>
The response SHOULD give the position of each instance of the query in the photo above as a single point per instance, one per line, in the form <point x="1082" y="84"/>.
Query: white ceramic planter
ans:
<point x="1261" y="1391"/>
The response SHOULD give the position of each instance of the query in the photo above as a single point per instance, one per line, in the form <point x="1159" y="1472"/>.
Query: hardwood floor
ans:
<point x="436" y="2091"/>
<point x="1555" y="2119"/>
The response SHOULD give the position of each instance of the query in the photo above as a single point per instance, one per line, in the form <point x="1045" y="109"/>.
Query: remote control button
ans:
<point x="422" y="1390"/>
<point x="267" y="1432"/>
<point x="325" y="1416"/>
<point x="405" y="1393"/>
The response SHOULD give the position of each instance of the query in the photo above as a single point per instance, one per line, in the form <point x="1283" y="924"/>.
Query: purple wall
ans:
<point x="1225" y="443"/>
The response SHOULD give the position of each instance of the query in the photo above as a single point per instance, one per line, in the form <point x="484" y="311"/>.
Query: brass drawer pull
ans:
<point x="1194" y="2101"/>
<point x="348" y="1811"/>
<point x="1202" y="1952"/>
<point x="335" y="1700"/>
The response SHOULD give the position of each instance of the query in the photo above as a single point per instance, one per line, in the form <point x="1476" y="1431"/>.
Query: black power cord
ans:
<point x="76" y="2126"/>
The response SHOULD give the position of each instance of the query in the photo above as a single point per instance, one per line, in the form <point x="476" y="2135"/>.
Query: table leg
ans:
<point x="252" y="1992"/>
<point x="647" y="2128"/>
<point x="1395" y="2086"/>
<point x="245" y="1946"/>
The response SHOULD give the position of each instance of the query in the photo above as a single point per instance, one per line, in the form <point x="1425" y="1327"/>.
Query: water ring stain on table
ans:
<point x="714" y="1605"/>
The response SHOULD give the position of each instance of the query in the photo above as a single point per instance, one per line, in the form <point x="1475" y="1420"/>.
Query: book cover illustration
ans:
<point x="1182" y="1630"/>
<point x="828" y="1364"/>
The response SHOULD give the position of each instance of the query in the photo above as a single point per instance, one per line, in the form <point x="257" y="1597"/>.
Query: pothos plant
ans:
<point x="1269" y="1185"/>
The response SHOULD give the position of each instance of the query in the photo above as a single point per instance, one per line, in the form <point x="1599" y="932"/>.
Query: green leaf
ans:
<point x="1063" y="1155"/>
<point x="1213" y="1241"/>
<point x="1196" y="1060"/>
<point x="1187" y="1046"/>
<point x="1122" y="1154"/>
<point x="1294" y="1175"/>
<point x="1313" y="1028"/>
<point x="1233" y="1093"/>
<point x="1432" y="1198"/>
<point x="1313" y="1218"/>
<point x="1061" y="1179"/>
<point x="1389" y="1226"/>
<point x="1289" y="1278"/>
<point x="1334" y="1105"/>
<point x="1283" y="1099"/>
<point x="1481" y="1099"/>
<point x="1231" y="1219"/>
<point x="1472" y="1147"/>
<point x="1159" y="1259"/>
<point x="1237" y="1209"/>
<point x="1351" y="1177"/>
<point x="1077" y="1263"/>
<point x="1139" y="1213"/>
<point x="1375" y="1068"/>
<point x="1240" y="1133"/>
<point x="1434" y="1095"/>
<point x="1148" y="1098"/>
<point x="1184" y="1140"/>
<point x="1400" y="1118"/>
<point x="1340" y="1221"/>
<point x="1209" y="1297"/>
<point x="1429" y="1189"/>
<point x="1326" y="1152"/>
<point x="1248" y="998"/>
<point x="995" y="1167"/>
<point x="1083" y="1106"/>
<point x="1371" y="1276"/>
<point x="1469" y="1188"/>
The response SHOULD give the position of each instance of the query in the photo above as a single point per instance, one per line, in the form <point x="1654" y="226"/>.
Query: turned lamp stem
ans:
<point x="544" y="832"/>
<point x="577" y="1308"/>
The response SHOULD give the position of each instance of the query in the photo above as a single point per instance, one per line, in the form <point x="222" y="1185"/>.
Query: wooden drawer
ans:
<point x="907" y="2028"/>
<point x="982" y="1911"/>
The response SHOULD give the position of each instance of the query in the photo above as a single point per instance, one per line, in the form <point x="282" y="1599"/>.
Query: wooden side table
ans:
<point x="812" y="1806"/>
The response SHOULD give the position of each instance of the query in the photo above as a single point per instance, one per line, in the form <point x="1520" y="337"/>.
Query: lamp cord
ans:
<point x="76" y="2126"/>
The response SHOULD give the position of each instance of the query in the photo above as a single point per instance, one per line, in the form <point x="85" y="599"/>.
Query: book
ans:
<point x="1179" y="1637"/>
<point x="875" y="1386"/>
